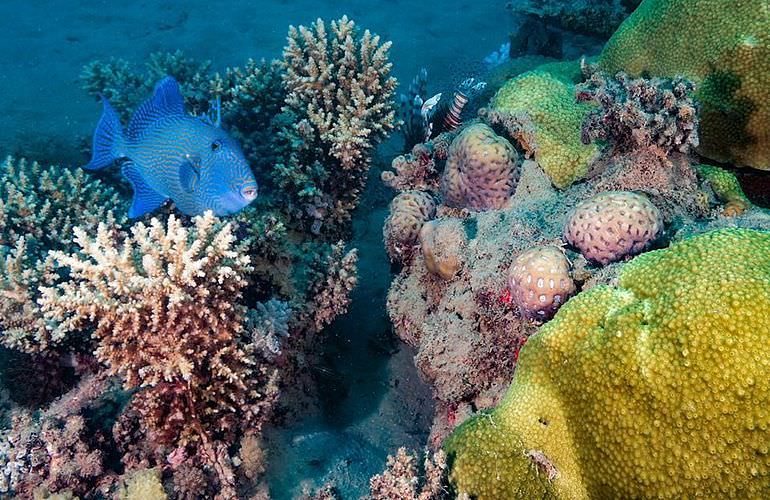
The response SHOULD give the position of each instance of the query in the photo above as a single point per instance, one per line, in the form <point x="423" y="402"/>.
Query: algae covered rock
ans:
<point x="659" y="387"/>
<point x="547" y="96"/>
<point x="722" y="46"/>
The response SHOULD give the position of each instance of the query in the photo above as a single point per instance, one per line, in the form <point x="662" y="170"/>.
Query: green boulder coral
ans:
<point x="547" y="96"/>
<point x="659" y="387"/>
<point x="722" y="46"/>
<point x="726" y="188"/>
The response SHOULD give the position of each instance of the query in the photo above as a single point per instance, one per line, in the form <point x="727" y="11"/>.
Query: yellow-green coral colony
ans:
<point x="659" y="387"/>
<point x="725" y="48"/>
<point x="547" y="95"/>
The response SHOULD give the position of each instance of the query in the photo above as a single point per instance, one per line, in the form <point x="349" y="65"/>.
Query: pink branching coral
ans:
<point x="331" y="293"/>
<point x="164" y="305"/>
<point x="636" y="113"/>
<point x="340" y="93"/>
<point x="402" y="480"/>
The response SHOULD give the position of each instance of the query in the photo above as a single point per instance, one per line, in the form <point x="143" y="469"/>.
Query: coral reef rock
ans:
<point x="613" y="225"/>
<point x="539" y="281"/>
<point x="669" y="363"/>
<point x="481" y="171"/>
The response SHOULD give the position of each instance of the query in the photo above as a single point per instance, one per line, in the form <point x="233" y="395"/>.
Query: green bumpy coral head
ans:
<point x="547" y="95"/>
<point x="726" y="188"/>
<point x="722" y="46"/>
<point x="659" y="387"/>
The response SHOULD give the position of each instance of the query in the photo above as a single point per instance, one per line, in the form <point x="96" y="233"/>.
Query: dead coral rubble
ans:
<point x="636" y="113"/>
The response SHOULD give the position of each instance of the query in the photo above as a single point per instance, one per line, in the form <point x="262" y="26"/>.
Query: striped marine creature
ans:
<point x="169" y="154"/>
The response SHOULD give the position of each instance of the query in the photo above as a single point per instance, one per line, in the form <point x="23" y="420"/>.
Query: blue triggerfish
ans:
<point x="169" y="154"/>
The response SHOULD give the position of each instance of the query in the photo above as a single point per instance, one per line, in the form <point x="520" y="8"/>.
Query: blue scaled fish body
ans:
<point x="170" y="154"/>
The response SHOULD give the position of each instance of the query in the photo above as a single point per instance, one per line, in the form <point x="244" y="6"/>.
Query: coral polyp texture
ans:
<point x="547" y="97"/>
<point x="540" y="281"/>
<point x="641" y="390"/>
<point x="481" y="171"/>
<point x="409" y="211"/>
<point x="613" y="225"/>
<point x="443" y="244"/>
<point x="727" y="55"/>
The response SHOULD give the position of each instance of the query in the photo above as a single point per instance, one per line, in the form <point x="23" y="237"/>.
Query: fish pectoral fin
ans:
<point x="145" y="199"/>
<point x="189" y="173"/>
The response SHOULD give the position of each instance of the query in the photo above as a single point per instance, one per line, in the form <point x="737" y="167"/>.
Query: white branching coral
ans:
<point x="39" y="208"/>
<point x="343" y="84"/>
<point x="338" y="107"/>
<point x="165" y="308"/>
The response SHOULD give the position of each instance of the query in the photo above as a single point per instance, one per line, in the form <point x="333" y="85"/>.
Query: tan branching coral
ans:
<point x="39" y="207"/>
<point x="339" y="91"/>
<point x="164" y="305"/>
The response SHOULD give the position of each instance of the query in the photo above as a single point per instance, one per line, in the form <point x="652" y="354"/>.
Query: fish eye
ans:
<point x="216" y="145"/>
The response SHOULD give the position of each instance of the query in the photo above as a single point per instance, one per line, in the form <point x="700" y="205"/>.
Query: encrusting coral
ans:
<point x="639" y="390"/>
<point x="727" y="55"/>
<point x="613" y="225"/>
<point x="726" y="188"/>
<point x="481" y="171"/>
<point x="547" y="96"/>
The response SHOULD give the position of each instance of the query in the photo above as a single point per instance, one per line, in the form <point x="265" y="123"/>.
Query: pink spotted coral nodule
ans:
<point x="613" y="225"/>
<point x="540" y="282"/>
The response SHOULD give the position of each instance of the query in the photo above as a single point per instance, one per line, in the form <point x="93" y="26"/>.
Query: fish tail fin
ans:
<point x="108" y="144"/>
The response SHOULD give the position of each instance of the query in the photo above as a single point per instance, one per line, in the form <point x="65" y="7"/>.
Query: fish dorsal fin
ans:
<point x="146" y="199"/>
<point x="189" y="173"/>
<point x="166" y="100"/>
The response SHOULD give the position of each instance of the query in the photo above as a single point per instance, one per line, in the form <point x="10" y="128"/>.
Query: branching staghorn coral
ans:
<point x="39" y="208"/>
<point x="339" y="90"/>
<point x="164" y="306"/>
<point x="332" y="278"/>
